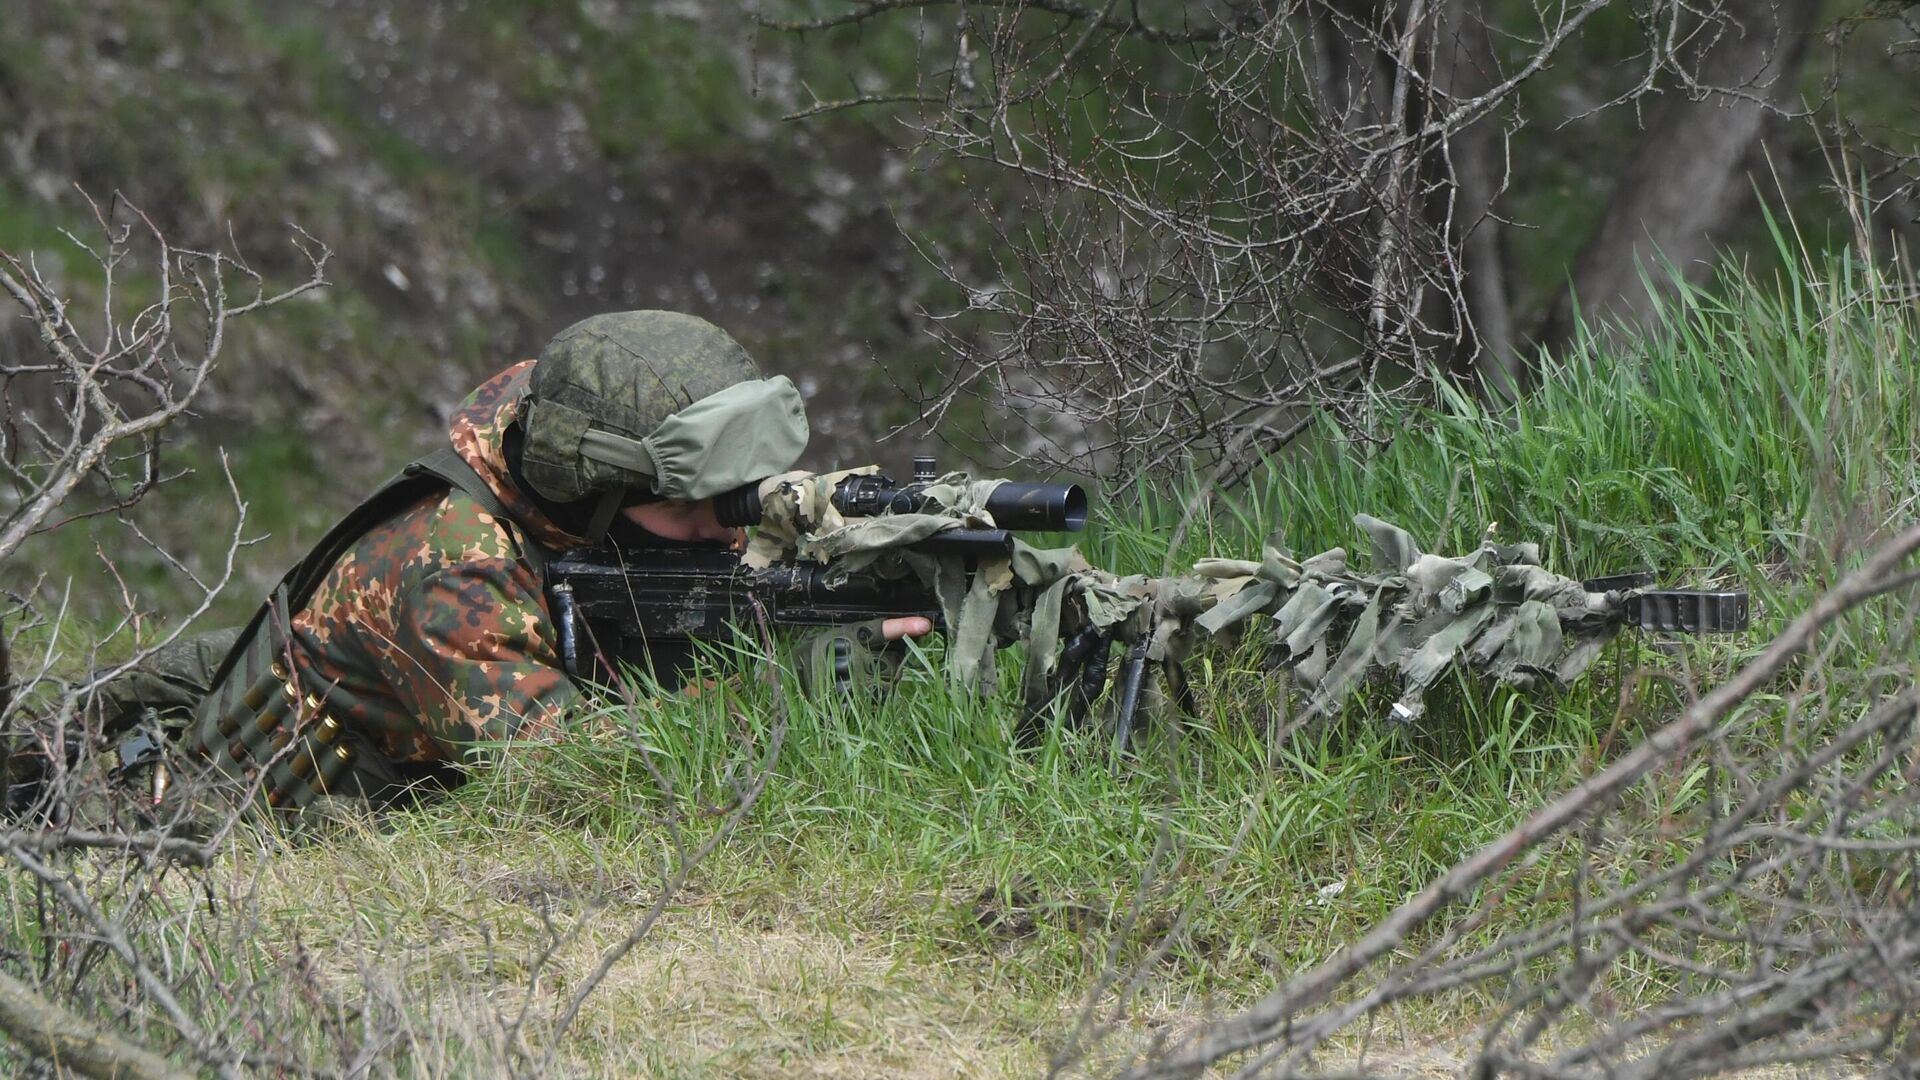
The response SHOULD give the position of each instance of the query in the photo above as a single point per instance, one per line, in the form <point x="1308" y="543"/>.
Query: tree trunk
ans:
<point x="1688" y="176"/>
<point x="1465" y="66"/>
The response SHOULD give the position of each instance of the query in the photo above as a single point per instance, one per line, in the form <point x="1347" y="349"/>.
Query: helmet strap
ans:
<point x="610" y="503"/>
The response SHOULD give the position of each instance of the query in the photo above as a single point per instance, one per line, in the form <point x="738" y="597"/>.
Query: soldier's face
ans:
<point x="687" y="522"/>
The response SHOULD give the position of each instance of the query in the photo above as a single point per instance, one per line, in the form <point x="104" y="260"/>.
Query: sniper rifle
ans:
<point x="1495" y="610"/>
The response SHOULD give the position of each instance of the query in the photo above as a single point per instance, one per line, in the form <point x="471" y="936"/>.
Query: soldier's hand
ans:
<point x="861" y="659"/>
<point x="906" y="627"/>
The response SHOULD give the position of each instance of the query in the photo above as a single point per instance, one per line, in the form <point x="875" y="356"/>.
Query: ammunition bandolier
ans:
<point x="259" y="718"/>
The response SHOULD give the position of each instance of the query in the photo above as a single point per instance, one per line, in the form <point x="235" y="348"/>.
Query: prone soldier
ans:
<point x="419" y="625"/>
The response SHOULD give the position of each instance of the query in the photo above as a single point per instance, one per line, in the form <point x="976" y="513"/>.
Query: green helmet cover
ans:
<point x="655" y="401"/>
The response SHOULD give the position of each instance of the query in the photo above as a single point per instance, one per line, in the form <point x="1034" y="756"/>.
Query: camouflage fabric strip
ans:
<point x="1410" y="617"/>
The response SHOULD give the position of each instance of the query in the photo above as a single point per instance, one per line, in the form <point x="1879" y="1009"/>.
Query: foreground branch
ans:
<point x="1280" y="1014"/>
<point x="72" y="1043"/>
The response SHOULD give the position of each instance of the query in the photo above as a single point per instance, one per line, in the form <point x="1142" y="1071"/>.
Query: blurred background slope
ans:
<point x="486" y="171"/>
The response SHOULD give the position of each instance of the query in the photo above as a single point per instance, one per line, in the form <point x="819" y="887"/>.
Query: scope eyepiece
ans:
<point x="740" y="507"/>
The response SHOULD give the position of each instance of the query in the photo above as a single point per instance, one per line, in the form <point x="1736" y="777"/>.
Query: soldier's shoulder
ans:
<point x="444" y="530"/>
<point x="460" y="531"/>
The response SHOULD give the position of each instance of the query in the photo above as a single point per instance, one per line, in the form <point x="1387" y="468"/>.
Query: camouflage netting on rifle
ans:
<point x="1409" y="616"/>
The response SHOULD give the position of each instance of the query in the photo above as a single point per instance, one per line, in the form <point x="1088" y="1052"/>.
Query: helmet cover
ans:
<point x="610" y="382"/>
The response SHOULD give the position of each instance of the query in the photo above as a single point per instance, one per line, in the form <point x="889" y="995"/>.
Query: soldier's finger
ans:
<point x="906" y="626"/>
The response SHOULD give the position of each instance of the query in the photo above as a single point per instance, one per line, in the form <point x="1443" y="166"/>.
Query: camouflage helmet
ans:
<point x="632" y="403"/>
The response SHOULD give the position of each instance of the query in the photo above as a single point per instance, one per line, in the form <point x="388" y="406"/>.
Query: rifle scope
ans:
<point x="1014" y="505"/>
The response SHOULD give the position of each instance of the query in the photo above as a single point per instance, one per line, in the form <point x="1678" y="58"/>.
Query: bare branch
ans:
<point x="1103" y="20"/>
<point x="50" y="1032"/>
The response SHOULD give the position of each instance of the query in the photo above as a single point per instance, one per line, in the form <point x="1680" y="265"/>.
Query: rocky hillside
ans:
<point x="485" y="171"/>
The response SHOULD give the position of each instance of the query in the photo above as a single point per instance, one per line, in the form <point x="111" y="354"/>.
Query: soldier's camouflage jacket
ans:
<point x="431" y="631"/>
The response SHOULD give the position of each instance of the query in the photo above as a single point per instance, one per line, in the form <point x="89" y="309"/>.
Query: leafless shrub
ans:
<point x="1877" y="165"/>
<point x="102" y="888"/>
<point x="1214" y="221"/>
<point x="86" y="413"/>
<point x="1752" y="863"/>
<point x="141" y="932"/>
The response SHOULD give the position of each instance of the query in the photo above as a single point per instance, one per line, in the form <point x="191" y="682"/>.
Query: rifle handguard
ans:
<point x="1683" y="611"/>
<point x="1675" y="611"/>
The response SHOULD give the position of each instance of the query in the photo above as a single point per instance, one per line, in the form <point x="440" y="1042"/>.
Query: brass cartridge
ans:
<point x="252" y="699"/>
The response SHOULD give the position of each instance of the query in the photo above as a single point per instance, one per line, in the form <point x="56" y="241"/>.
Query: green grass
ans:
<point x="1731" y="437"/>
<point x="1722" y="447"/>
<point x="911" y="855"/>
<point x="910" y="863"/>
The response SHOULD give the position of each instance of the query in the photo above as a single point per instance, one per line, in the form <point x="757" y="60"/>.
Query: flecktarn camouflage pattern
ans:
<point x="427" y="631"/>
<point x="431" y="631"/>
<point x="418" y="629"/>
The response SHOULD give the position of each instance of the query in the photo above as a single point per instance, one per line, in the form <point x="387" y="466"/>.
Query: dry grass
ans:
<point x="731" y="983"/>
<point x="723" y="986"/>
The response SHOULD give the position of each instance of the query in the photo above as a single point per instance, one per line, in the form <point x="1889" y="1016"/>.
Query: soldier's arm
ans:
<point x="482" y="651"/>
